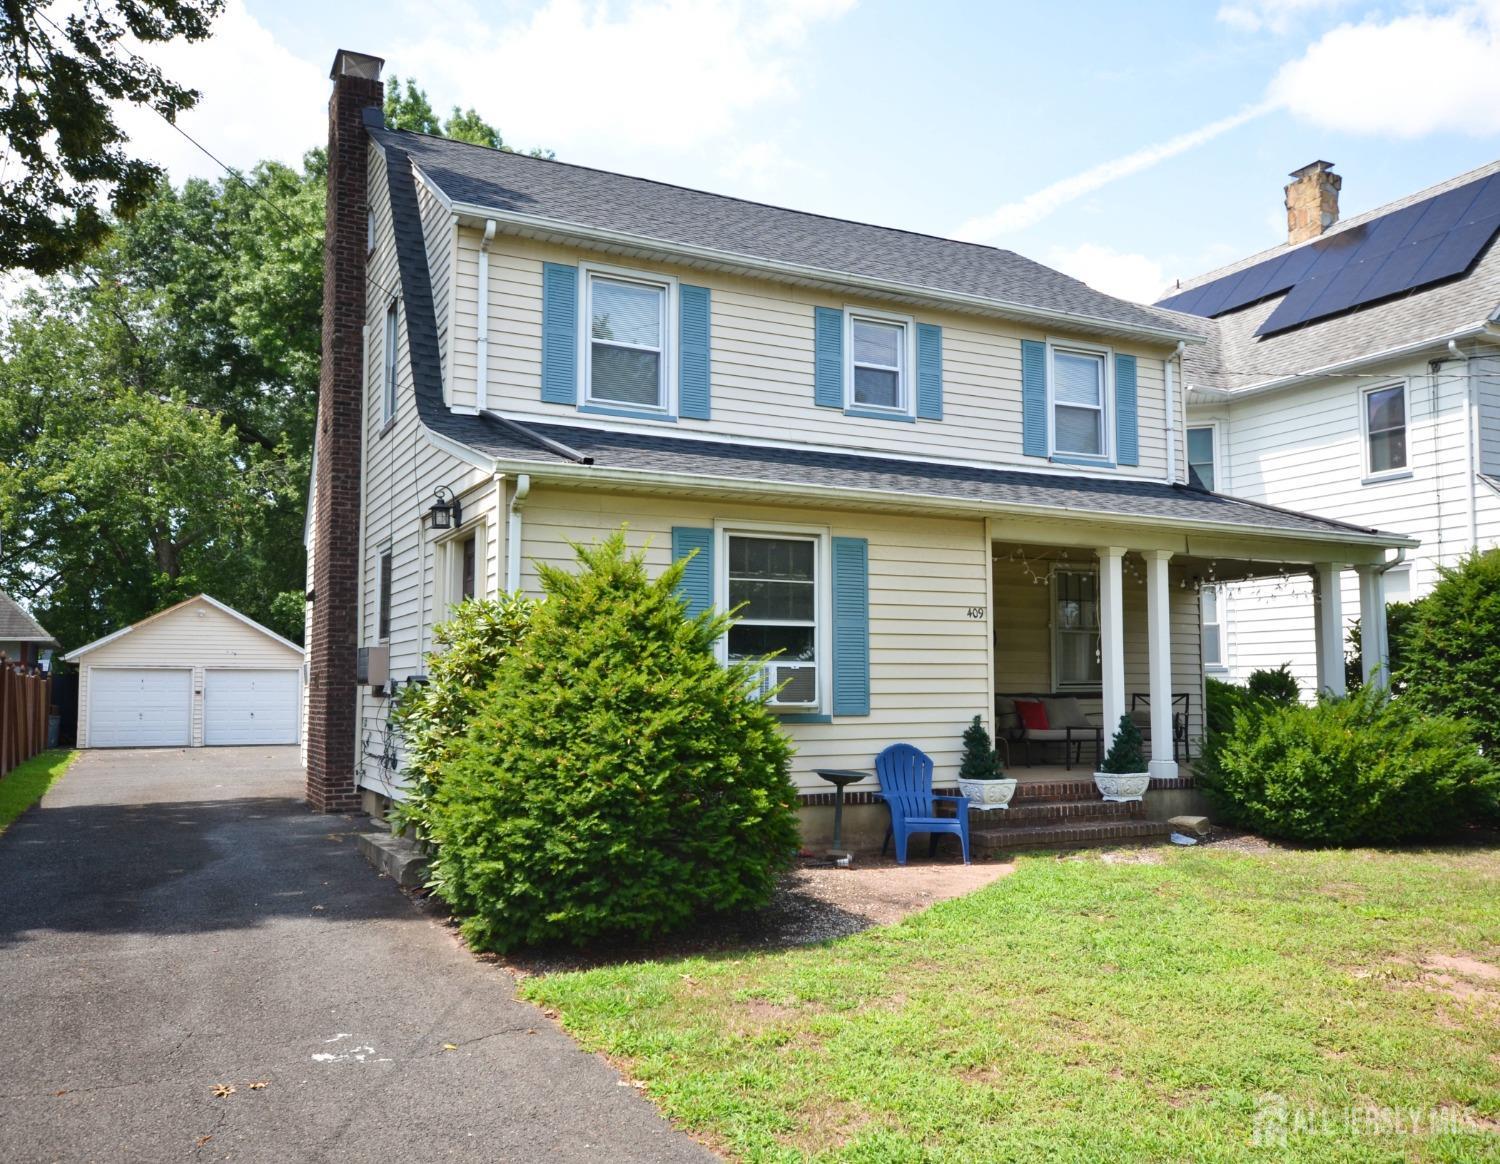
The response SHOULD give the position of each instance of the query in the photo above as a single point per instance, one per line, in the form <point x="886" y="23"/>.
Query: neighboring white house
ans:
<point x="939" y="472"/>
<point x="1353" y="372"/>
<point x="198" y="673"/>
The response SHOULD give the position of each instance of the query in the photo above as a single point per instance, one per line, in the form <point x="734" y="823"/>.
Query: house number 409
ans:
<point x="976" y="612"/>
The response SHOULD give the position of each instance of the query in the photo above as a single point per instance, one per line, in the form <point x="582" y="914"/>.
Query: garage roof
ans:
<point x="74" y="656"/>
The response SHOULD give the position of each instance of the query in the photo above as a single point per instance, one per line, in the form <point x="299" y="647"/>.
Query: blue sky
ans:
<point x="1125" y="143"/>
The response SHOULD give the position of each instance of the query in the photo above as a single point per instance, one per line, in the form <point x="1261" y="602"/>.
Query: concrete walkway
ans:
<point x="175" y="920"/>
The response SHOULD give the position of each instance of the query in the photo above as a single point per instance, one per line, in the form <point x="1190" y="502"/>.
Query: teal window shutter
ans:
<point x="1034" y="398"/>
<point x="559" y="334"/>
<point x="851" y="626"/>
<point x="828" y="357"/>
<point x="1127" y="439"/>
<point x="693" y="362"/>
<point x="929" y="372"/>
<point x="697" y="585"/>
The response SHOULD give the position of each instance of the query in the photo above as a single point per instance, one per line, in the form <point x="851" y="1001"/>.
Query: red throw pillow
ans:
<point x="1033" y="714"/>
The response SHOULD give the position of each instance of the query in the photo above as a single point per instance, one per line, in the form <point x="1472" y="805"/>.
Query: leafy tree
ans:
<point x="407" y="107"/>
<point x="60" y="76"/>
<point x="156" y="410"/>
<point x="615" y="778"/>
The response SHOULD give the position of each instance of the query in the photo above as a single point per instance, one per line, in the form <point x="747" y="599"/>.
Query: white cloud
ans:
<point x="1033" y="208"/>
<point x="1129" y="276"/>
<point x="1275" y="16"/>
<point x="1417" y="74"/>
<point x="670" y="74"/>
<point x="259" y="100"/>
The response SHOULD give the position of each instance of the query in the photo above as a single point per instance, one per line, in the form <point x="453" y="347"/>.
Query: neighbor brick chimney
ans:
<point x="334" y="629"/>
<point x="1312" y="201"/>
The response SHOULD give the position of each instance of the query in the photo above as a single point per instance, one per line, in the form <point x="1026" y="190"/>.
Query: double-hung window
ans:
<point x="1078" y="402"/>
<point x="626" y="363"/>
<point x="1385" y="429"/>
<point x="1200" y="456"/>
<point x="388" y="371"/>
<point x="1075" y="628"/>
<point x="879" y="379"/>
<point x="383" y="596"/>
<point x="1210" y="600"/>
<point x="773" y="580"/>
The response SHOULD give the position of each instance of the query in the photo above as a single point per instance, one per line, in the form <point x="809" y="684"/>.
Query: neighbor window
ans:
<point x="773" y="583"/>
<point x="383" y="600"/>
<point x="388" y="383"/>
<point x="1200" y="455"/>
<point x="1398" y="585"/>
<point x="1385" y="429"/>
<point x="1078" y="402"/>
<point x="1075" y="628"/>
<point x="1210" y="600"/>
<point x="877" y="377"/>
<point x="627" y="342"/>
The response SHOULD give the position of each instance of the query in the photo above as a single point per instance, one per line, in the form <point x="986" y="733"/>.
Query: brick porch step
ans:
<point x="1081" y="789"/>
<point x="1023" y="813"/>
<point x="989" y="842"/>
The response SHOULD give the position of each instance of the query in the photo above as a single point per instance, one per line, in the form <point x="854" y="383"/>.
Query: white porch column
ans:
<point x="1374" y="646"/>
<point x="1112" y="636"/>
<point x="1330" y="627"/>
<point x="1159" y="658"/>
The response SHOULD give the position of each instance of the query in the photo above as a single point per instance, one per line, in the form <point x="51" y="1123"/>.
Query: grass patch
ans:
<point x="24" y="785"/>
<point x="1080" y="1010"/>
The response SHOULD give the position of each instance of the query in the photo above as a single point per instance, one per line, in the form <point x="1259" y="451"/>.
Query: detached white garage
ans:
<point x="198" y="673"/>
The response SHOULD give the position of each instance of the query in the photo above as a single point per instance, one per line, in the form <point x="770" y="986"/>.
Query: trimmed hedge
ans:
<point x="616" y="780"/>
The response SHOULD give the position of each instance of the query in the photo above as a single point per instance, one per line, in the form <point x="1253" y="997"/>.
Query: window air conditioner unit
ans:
<point x="798" y="683"/>
<point x="372" y="667"/>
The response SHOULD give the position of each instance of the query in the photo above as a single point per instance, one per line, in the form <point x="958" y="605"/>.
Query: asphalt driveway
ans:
<point x="171" y="921"/>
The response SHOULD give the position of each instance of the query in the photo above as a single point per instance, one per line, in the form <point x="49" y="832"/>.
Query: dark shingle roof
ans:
<point x="584" y="197"/>
<point x="19" y="627"/>
<point x="546" y="445"/>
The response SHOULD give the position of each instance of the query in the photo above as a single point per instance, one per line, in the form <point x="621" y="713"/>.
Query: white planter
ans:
<point x="988" y="793"/>
<point x="1121" y="786"/>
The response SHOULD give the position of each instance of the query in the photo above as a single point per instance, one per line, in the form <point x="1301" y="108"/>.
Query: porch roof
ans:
<point x="586" y="451"/>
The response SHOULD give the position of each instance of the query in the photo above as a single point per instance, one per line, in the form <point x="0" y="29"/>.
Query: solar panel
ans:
<point x="1412" y="247"/>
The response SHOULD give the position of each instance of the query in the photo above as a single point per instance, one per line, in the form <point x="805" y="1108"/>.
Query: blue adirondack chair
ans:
<point x="905" y="776"/>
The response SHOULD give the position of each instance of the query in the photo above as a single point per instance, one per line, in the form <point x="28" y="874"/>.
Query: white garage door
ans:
<point x="140" y="708"/>
<point x="250" y="707"/>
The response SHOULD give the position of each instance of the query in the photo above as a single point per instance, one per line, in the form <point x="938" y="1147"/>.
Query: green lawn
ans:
<point x="1084" y="1010"/>
<point x="24" y="785"/>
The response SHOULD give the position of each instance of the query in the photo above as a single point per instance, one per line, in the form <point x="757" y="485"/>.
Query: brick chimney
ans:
<point x="1312" y="201"/>
<point x="334" y="630"/>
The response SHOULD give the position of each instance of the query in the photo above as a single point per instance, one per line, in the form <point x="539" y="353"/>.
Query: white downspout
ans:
<point x="513" y="533"/>
<point x="1471" y="484"/>
<point x="482" y="353"/>
<point x="1170" y="424"/>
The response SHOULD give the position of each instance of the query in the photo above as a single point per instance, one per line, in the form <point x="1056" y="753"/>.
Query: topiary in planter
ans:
<point x="616" y="779"/>
<point x="980" y="761"/>
<point x="1126" y="751"/>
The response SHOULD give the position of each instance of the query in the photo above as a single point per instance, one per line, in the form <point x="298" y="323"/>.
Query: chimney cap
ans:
<point x="1311" y="168"/>
<point x="347" y="63"/>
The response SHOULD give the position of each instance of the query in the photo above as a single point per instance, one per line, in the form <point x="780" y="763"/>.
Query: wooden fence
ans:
<point x="24" y="704"/>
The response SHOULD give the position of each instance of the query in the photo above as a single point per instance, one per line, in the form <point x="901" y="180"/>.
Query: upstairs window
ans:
<point x="627" y="342"/>
<point x="878" y="377"/>
<point x="388" y="381"/>
<point x="1078" y="402"/>
<point x="1075" y="628"/>
<point x="1385" y="430"/>
<point x="774" y="582"/>
<point x="1200" y="456"/>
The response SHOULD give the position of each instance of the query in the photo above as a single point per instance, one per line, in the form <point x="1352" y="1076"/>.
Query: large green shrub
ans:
<point x="433" y="715"/>
<point x="1399" y="617"/>
<point x="1278" y="684"/>
<point x="1451" y="648"/>
<point x="1359" y="770"/>
<point x="1221" y="700"/>
<point x="615" y="779"/>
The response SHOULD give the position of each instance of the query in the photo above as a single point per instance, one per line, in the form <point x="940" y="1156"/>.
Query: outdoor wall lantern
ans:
<point x="447" y="512"/>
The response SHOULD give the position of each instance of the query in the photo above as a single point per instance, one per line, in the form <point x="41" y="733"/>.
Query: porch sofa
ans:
<point x="1067" y="725"/>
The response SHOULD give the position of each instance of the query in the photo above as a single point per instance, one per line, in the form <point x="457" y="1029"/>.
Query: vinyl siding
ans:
<point x="196" y="637"/>
<point x="762" y="364"/>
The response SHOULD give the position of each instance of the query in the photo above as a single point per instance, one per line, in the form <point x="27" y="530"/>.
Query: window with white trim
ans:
<point x="878" y="376"/>
<point x="1385" y="429"/>
<point x="1079" y="381"/>
<point x="1200" y="456"/>
<point x="628" y="332"/>
<point x="1075" y="628"/>
<point x="388" y="381"/>
<point x="460" y="565"/>
<point x="1210" y="602"/>
<point x="773" y="581"/>
<point x="1398" y="585"/>
<point x="383" y="596"/>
